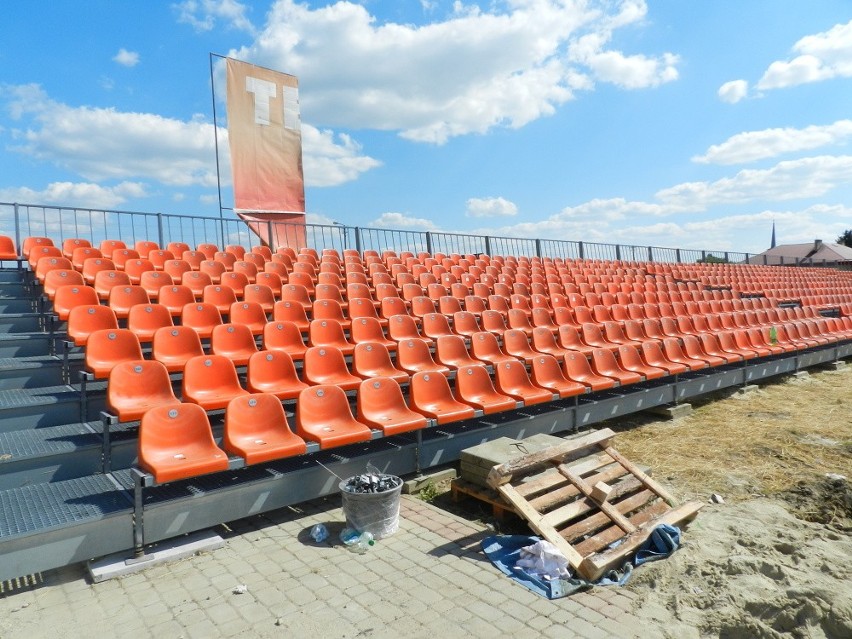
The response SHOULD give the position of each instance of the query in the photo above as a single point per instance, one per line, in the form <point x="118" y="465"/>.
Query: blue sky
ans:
<point x="663" y="122"/>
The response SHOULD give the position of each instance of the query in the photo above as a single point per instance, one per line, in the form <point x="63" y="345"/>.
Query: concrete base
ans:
<point x="837" y="366"/>
<point x="676" y="411"/>
<point x="416" y="484"/>
<point x="746" y="390"/>
<point x="120" y="564"/>
<point x="477" y="461"/>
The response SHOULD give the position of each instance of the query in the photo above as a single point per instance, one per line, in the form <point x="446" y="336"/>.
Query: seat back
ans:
<point x="124" y="298"/>
<point x="137" y="386"/>
<point x="451" y="351"/>
<point x="196" y="281"/>
<point x="260" y="294"/>
<point x="329" y="332"/>
<point x="474" y="386"/>
<point x="219" y="296"/>
<point x="210" y="381"/>
<point x="517" y="344"/>
<point x="413" y="356"/>
<point x="284" y="336"/>
<point x="249" y="314"/>
<point x="174" y="297"/>
<point x="431" y="395"/>
<point x="55" y="278"/>
<point x="175" y="346"/>
<point x="511" y="378"/>
<point x="256" y="429"/>
<point x="323" y="415"/>
<point x="83" y="320"/>
<point x="381" y="405"/>
<point x="274" y="372"/>
<point x="146" y="319"/>
<point x="326" y="365"/>
<point x="202" y="317"/>
<point x="372" y="359"/>
<point x="436" y="325"/>
<point x="107" y="347"/>
<point x="234" y="341"/>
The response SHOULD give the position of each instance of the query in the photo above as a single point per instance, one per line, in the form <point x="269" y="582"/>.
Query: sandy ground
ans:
<point x="772" y="560"/>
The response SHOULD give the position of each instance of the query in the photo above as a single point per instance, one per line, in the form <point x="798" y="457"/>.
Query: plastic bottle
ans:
<point x="319" y="533"/>
<point x="349" y="537"/>
<point x="365" y="541"/>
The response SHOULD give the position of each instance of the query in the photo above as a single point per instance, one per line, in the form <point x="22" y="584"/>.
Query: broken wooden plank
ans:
<point x="534" y="485"/>
<point x="503" y="473"/>
<point x="603" y="538"/>
<point x="600" y="492"/>
<point x="581" y="506"/>
<point x="533" y="517"/>
<point x="599" y="520"/>
<point x="597" y="564"/>
<point x="610" y="511"/>
<point x="560" y="495"/>
<point x="633" y="468"/>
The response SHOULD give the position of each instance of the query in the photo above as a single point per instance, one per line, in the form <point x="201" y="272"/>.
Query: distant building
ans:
<point x="817" y="253"/>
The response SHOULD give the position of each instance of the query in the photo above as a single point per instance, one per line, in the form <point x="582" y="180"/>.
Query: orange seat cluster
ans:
<point x="419" y="336"/>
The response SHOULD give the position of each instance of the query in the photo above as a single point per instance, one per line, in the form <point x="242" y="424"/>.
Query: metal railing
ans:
<point x="60" y="223"/>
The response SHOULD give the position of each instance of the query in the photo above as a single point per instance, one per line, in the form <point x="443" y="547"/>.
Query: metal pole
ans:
<point x="677" y="256"/>
<point x="358" y="239"/>
<point x="17" y="229"/>
<point x="160" y="230"/>
<point x="581" y="250"/>
<point x="429" y="242"/>
<point x="216" y="143"/>
<point x="488" y="245"/>
<point x="538" y="248"/>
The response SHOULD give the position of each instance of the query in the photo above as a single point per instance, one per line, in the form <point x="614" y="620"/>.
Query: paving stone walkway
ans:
<point x="427" y="580"/>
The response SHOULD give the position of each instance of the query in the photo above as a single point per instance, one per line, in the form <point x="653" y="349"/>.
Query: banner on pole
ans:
<point x="265" y="140"/>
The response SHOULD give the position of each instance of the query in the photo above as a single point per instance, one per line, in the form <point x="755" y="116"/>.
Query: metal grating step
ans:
<point x="41" y="507"/>
<point x="43" y="442"/>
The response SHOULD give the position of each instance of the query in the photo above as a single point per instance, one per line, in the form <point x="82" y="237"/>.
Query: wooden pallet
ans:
<point x="598" y="497"/>
<point x="499" y="506"/>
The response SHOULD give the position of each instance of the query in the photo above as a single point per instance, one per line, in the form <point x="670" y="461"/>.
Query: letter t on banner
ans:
<point x="265" y="140"/>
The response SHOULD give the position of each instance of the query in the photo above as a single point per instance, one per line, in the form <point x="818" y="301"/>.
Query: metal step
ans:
<point x="35" y="371"/>
<point x="16" y="305"/>
<point x="38" y="407"/>
<point x="20" y="323"/>
<point x="45" y="526"/>
<point x="24" y="344"/>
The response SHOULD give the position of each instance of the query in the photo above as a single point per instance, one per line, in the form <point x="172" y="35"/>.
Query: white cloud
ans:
<point x="490" y="207"/>
<point x="733" y="91"/>
<point x="202" y="15"/>
<point x="76" y="194"/>
<point x="757" y="145"/>
<point x="329" y="163"/>
<point x="102" y="144"/>
<point x="126" y="58"/>
<point x="401" y="221"/>
<point x="506" y="65"/>
<point x="793" y="179"/>
<point x="822" y="56"/>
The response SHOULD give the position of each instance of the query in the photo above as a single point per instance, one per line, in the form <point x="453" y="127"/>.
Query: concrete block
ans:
<point x="416" y="484"/>
<point x="119" y="565"/>
<point x="477" y="461"/>
<point x="676" y="411"/>
<point x="746" y="390"/>
<point x="801" y="374"/>
<point x="839" y="365"/>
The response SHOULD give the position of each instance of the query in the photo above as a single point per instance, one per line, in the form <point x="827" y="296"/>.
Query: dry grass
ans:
<point x="767" y="442"/>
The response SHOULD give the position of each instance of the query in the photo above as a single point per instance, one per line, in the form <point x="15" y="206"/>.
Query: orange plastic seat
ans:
<point x="159" y="258"/>
<point x="392" y="306"/>
<point x="71" y="243"/>
<point x="40" y="252"/>
<point x="369" y="329"/>
<point x="8" y="252"/>
<point x="511" y="378"/>
<point x="33" y="242"/>
<point x="593" y="336"/>
<point x="284" y="336"/>
<point x="436" y="325"/>
<point x="449" y="305"/>
<point x="226" y="259"/>
<point x="83" y="320"/>
<point x="80" y="254"/>
<point x="108" y="247"/>
<point x="630" y="360"/>
<point x="177" y="248"/>
<point x="381" y="405"/>
<point x="51" y="263"/>
<point x="674" y="353"/>
<point x="174" y="346"/>
<point x="207" y="249"/>
<point x="107" y="348"/>
<point x="236" y="281"/>
<point x="329" y="332"/>
<point x="123" y="256"/>
<point x="123" y="298"/>
<point x="413" y="356"/>
<point x="544" y="341"/>
<point x="210" y="381"/>
<point x="69" y="296"/>
<point x="431" y="395"/>
<point x="144" y="320"/>
<point x="326" y="365"/>
<point x="451" y="351"/>
<point x="176" y="268"/>
<point x="274" y="372"/>
<point x="213" y="269"/>
<point x="711" y="346"/>
<point x="105" y="281"/>
<point x="465" y="324"/>
<point x="372" y="359"/>
<point x="403" y="327"/>
<point x="234" y="341"/>
<point x="288" y="311"/>
<point x="249" y="314"/>
<point x="196" y="281"/>
<point x="653" y="355"/>
<point x="323" y="415"/>
<point x="219" y="296"/>
<point x="144" y="247"/>
<point x="55" y="278"/>
<point x="175" y="442"/>
<point x="493" y="322"/>
<point x="577" y="368"/>
<point x="517" y="344"/>
<point x="137" y="386"/>
<point x="94" y="265"/>
<point x="175" y="297"/>
<point x="135" y="269"/>
<point x="254" y="259"/>
<point x="260" y="294"/>
<point x="256" y="429"/>
<point x="201" y="317"/>
<point x="518" y="320"/>
<point x="485" y="347"/>
<point x="605" y="365"/>
<point x="330" y="310"/>
<point x="548" y="374"/>
<point x="236" y="250"/>
<point x="693" y="349"/>
<point x="272" y="280"/>
<point x="541" y="318"/>
<point x="727" y="343"/>
<point x="474" y="387"/>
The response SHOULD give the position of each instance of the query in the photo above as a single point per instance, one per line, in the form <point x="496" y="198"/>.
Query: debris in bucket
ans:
<point x="370" y="483"/>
